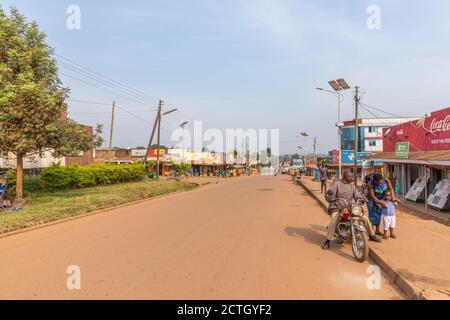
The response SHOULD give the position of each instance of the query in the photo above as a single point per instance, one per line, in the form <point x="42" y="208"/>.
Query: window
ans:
<point x="372" y="143"/>
<point x="372" y="129"/>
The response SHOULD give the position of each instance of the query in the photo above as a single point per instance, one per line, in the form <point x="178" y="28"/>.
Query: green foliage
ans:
<point x="31" y="184"/>
<point x="32" y="97"/>
<point x="58" y="177"/>
<point x="98" y="139"/>
<point x="180" y="169"/>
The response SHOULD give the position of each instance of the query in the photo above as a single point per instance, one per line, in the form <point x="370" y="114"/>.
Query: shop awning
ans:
<point x="441" y="157"/>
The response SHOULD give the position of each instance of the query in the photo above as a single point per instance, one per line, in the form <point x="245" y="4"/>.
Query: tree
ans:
<point x="32" y="98"/>
<point x="98" y="139"/>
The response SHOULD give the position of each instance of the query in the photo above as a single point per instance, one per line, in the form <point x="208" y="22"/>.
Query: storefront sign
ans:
<point x="138" y="152"/>
<point x="154" y="152"/>
<point x="427" y="134"/>
<point x="348" y="157"/>
<point x="402" y="150"/>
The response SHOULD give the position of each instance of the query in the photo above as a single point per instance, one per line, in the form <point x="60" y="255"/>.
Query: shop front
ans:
<point x="417" y="160"/>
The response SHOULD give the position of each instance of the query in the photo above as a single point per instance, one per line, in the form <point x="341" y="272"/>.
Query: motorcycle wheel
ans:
<point x="360" y="246"/>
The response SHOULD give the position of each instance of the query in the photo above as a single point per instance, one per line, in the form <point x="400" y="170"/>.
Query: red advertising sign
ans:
<point x="152" y="153"/>
<point x="427" y="134"/>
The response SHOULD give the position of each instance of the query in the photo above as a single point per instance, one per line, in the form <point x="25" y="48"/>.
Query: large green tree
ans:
<point x="32" y="98"/>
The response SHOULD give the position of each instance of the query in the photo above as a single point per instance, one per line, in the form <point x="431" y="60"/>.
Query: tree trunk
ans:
<point x="19" y="177"/>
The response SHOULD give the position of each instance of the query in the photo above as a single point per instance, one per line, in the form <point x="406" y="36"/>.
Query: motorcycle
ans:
<point x="350" y="229"/>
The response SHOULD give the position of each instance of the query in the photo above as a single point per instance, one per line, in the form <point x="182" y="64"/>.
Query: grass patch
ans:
<point x="44" y="207"/>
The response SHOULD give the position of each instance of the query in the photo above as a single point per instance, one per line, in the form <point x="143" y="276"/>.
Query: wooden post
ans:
<point x="19" y="176"/>
<point x="111" y="131"/>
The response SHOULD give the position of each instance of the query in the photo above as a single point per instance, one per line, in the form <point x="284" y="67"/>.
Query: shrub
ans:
<point x="58" y="177"/>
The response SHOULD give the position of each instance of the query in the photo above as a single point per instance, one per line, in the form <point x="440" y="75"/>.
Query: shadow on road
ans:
<point x="315" y="234"/>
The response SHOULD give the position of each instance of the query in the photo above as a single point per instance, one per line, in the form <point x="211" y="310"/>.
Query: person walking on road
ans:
<point x="323" y="179"/>
<point x="344" y="189"/>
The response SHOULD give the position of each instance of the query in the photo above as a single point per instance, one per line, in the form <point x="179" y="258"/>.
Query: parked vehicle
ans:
<point x="285" y="169"/>
<point x="350" y="229"/>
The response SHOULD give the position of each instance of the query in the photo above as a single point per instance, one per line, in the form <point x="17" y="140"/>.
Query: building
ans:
<point x="33" y="163"/>
<point x="416" y="157"/>
<point x="370" y="141"/>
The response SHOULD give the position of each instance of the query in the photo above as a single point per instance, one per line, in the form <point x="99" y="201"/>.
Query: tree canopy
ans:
<point x="32" y="97"/>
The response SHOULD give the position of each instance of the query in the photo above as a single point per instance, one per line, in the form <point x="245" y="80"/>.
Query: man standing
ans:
<point x="323" y="172"/>
<point x="344" y="189"/>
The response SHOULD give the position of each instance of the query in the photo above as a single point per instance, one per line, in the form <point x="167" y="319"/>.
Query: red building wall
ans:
<point x="428" y="134"/>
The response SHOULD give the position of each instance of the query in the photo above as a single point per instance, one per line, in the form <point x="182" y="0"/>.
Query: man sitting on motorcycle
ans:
<point x="344" y="189"/>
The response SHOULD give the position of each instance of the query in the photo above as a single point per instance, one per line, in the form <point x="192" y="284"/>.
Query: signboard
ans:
<point x="154" y="152"/>
<point x="366" y="164"/>
<point x="417" y="188"/>
<point x="333" y="157"/>
<point x="402" y="150"/>
<point x="428" y="134"/>
<point x="348" y="157"/>
<point x="138" y="152"/>
<point x="439" y="196"/>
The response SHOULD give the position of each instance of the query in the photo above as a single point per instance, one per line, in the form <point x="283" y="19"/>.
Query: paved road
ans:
<point x="252" y="238"/>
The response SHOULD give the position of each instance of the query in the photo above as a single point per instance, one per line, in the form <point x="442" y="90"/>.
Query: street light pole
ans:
<point x="339" y="97"/>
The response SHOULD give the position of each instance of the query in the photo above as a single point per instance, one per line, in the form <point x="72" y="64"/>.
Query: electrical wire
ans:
<point x="144" y="95"/>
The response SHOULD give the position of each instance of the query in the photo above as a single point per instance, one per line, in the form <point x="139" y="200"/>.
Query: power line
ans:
<point x="382" y="111"/>
<point x="103" y="82"/>
<point x="101" y="88"/>
<point x="147" y="96"/>
<point x="89" y="102"/>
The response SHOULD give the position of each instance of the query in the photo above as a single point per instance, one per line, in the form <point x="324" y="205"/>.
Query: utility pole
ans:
<point x="314" y="148"/>
<point x="111" y="132"/>
<point x="357" y="99"/>
<point x="159" y="137"/>
<point x="153" y="132"/>
<point x="339" y="136"/>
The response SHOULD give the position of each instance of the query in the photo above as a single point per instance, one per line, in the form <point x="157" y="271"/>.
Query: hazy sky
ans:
<point x="250" y="63"/>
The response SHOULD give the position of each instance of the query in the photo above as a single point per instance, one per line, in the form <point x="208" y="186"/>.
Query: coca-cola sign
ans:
<point x="441" y="125"/>
<point x="426" y="134"/>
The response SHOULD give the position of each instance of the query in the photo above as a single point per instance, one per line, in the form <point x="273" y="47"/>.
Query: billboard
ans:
<point x="426" y="134"/>
<point x="348" y="156"/>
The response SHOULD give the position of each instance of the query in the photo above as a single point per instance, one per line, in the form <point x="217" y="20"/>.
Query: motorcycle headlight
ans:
<point x="357" y="211"/>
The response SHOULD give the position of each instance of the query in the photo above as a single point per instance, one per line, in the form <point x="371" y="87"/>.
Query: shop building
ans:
<point x="370" y="141"/>
<point x="416" y="157"/>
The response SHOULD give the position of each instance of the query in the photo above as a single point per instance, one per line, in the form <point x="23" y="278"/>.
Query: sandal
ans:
<point x="394" y="236"/>
<point x="385" y="237"/>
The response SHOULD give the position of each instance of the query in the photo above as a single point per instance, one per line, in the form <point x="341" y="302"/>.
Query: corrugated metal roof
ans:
<point x="441" y="155"/>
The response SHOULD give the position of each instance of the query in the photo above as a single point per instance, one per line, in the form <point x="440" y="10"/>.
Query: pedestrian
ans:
<point x="323" y="179"/>
<point x="375" y="190"/>
<point x="388" y="209"/>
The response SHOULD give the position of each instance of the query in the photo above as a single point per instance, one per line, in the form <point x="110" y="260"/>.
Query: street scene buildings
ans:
<point x="184" y="151"/>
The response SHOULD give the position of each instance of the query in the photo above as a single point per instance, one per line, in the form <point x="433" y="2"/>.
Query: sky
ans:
<point x="248" y="63"/>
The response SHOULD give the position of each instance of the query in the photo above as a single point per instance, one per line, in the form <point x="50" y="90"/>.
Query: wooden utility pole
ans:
<point x="158" y="114"/>
<point x="159" y="137"/>
<point x="355" y="167"/>
<point x="111" y="131"/>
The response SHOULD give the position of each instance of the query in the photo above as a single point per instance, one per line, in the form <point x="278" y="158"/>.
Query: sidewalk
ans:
<point x="418" y="261"/>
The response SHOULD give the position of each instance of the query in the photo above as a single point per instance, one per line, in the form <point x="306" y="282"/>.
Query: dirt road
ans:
<point x="246" y="238"/>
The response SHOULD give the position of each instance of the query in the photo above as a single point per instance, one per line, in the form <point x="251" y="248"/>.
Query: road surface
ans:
<point x="244" y="238"/>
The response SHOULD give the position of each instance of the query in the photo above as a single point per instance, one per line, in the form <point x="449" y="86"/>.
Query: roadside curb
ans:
<point x="92" y="213"/>
<point x="409" y="289"/>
